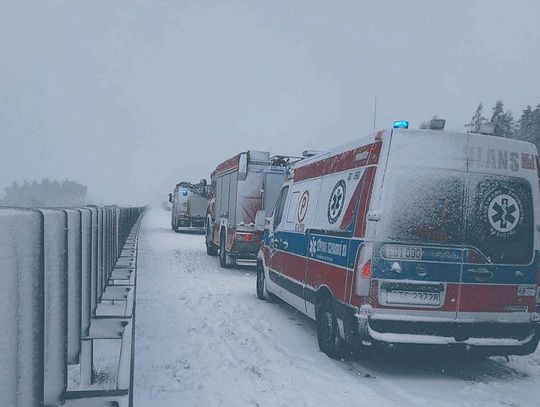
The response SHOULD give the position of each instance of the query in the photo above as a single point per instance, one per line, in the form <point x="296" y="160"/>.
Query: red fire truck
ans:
<point x="241" y="187"/>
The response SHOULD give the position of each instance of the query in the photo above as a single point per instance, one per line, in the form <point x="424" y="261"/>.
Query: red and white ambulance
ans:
<point x="411" y="237"/>
<point x="241" y="187"/>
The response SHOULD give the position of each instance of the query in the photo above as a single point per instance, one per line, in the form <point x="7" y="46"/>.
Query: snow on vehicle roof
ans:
<point x="446" y="149"/>
<point x="462" y="152"/>
<point x="366" y="140"/>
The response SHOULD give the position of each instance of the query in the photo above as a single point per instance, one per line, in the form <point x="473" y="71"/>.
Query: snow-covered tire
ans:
<point x="224" y="258"/>
<point x="328" y="336"/>
<point x="262" y="292"/>
<point x="210" y="248"/>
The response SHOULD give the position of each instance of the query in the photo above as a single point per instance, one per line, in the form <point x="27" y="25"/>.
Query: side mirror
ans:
<point x="260" y="220"/>
<point x="242" y="167"/>
<point x="374" y="216"/>
<point x="170" y="198"/>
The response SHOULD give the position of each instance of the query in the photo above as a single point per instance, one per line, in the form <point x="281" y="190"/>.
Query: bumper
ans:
<point x="196" y="223"/>
<point x="245" y="250"/>
<point x="490" y="338"/>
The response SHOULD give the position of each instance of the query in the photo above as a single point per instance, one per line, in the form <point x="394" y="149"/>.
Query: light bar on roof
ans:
<point x="401" y="124"/>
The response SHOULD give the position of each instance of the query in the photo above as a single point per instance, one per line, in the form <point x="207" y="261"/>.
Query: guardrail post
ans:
<point x="21" y="312"/>
<point x="74" y="284"/>
<point x="55" y="252"/>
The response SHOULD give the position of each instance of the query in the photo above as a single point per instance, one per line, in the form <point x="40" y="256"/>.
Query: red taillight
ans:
<point x="366" y="270"/>
<point x="538" y="286"/>
<point x="246" y="237"/>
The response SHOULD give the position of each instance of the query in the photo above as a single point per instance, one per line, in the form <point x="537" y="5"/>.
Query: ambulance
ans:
<point x="424" y="237"/>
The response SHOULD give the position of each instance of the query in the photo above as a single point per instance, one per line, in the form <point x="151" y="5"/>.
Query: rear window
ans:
<point x="492" y="214"/>
<point x="500" y="220"/>
<point x="424" y="207"/>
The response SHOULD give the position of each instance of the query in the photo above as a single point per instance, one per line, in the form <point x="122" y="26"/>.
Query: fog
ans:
<point x="129" y="97"/>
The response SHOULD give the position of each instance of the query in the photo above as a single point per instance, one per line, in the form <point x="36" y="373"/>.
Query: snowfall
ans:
<point x="204" y="339"/>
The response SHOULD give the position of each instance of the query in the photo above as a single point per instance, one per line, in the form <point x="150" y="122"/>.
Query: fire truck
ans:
<point x="242" y="188"/>
<point x="188" y="206"/>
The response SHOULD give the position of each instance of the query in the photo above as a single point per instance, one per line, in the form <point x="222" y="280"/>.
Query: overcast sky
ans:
<point x="129" y="97"/>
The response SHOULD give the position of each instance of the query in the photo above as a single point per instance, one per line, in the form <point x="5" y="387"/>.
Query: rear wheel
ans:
<point x="224" y="258"/>
<point x="328" y="336"/>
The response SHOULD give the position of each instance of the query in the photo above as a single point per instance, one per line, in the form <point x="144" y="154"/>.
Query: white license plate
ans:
<point x="413" y="297"/>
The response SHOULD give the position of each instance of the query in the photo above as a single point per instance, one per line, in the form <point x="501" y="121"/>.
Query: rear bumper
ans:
<point x="245" y="250"/>
<point x="191" y="223"/>
<point x="494" y="338"/>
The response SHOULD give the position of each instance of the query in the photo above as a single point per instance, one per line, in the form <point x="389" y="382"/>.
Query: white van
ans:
<point x="411" y="237"/>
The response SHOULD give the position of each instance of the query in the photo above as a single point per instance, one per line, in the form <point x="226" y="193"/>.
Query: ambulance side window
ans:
<point x="280" y="205"/>
<point x="293" y="206"/>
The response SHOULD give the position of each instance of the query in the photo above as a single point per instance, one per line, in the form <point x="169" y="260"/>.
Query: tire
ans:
<point x="262" y="291"/>
<point x="210" y="248"/>
<point x="224" y="259"/>
<point x="328" y="336"/>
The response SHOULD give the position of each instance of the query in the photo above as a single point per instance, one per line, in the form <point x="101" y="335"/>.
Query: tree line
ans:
<point x="45" y="193"/>
<point x="526" y="127"/>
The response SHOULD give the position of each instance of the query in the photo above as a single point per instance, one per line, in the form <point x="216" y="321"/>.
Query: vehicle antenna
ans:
<point x="375" y="116"/>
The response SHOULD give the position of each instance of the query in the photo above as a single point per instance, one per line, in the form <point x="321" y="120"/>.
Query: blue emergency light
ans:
<point x="401" y="124"/>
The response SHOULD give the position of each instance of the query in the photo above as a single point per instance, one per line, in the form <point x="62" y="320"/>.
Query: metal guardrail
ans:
<point x="57" y="267"/>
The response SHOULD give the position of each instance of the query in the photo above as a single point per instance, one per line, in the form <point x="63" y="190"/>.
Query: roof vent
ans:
<point x="309" y="153"/>
<point x="487" y="129"/>
<point x="437" y="124"/>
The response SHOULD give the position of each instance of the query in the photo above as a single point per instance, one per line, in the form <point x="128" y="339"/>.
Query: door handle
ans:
<point x="480" y="274"/>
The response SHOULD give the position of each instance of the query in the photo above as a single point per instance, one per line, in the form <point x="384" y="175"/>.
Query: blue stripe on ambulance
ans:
<point x="340" y="251"/>
<point x="430" y="268"/>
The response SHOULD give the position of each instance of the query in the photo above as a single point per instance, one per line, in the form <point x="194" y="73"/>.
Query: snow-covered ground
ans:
<point x="204" y="339"/>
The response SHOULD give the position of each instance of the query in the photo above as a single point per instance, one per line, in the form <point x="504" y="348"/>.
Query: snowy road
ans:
<point x="203" y="339"/>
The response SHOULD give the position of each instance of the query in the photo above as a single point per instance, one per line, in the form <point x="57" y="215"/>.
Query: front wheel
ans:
<point x="210" y="248"/>
<point x="262" y="292"/>
<point x="328" y="336"/>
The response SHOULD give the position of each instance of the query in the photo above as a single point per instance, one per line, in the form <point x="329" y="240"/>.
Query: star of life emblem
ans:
<point x="312" y="247"/>
<point x="336" y="202"/>
<point x="504" y="213"/>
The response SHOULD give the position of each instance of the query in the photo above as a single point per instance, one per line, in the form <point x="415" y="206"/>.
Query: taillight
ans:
<point x="538" y="286"/>
<point x="363" y="271"/>
<point x="366" y="270"/>
<point x="247" y="237"/>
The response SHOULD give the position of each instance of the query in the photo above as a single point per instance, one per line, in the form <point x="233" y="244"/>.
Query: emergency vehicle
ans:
<point x="189" y="206"/>
<point x="411" y="237"/>
<point x="240" y="187"/>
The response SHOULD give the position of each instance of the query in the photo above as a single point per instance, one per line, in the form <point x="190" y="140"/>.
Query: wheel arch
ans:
<point x="323" y="292"/>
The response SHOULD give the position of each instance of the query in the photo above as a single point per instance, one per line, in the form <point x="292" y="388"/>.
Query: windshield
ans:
<point x="492" y="214"/>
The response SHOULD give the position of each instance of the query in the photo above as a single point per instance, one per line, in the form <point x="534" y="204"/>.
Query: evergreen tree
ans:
<point x="529" y="125"/>
<point x="525" y="130"/>
<point x="503" y="121"/>
<point x="477" y="120"/>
